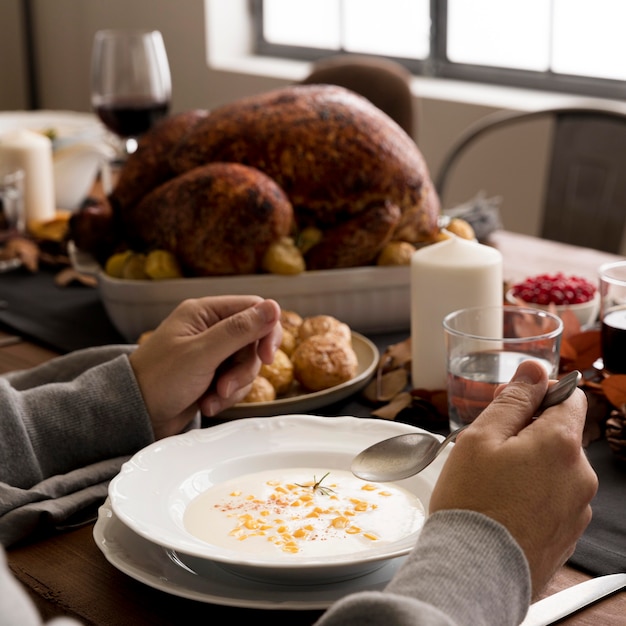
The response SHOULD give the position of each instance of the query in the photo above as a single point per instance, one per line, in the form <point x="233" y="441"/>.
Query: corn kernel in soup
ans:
<point x="303" y="511"/>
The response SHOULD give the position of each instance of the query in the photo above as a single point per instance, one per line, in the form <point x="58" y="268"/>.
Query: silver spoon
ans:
<point x="406" y="455"/>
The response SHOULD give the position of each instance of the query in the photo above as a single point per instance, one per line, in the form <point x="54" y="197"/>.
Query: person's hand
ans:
<point x="204" y="356"/>
<point x="532" y="476"/>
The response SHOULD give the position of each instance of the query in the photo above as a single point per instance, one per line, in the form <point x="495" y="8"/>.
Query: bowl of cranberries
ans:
<point x="558" y="292"/>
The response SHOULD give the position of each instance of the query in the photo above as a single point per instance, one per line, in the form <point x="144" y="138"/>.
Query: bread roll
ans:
<point x="279" y="372"/>
<point x="323" y="325"/>
<point x="261" y="391"/>
<point x="323" y="361"/>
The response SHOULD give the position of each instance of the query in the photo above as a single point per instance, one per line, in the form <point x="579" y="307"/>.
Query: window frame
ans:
<point x="438" y="66"/>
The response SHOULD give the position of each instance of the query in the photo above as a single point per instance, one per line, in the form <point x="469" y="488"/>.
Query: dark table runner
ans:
<point x="602" y="548"/>
<point x="62" y="318"/>
<point x="71" y="318"/>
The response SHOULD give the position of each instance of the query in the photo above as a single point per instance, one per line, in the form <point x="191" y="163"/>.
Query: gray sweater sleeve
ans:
<point x="465" y="569"/>
<point x="73" y="411"/>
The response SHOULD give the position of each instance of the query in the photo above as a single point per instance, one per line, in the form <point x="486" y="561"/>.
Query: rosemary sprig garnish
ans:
<point x="317" y="485"/>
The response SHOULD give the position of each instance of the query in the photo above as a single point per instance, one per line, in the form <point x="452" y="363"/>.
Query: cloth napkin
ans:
<point x="55" y="504"/>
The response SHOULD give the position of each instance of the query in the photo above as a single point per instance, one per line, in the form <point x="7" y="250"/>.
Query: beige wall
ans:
<point x="13" y="73"/>
<point x="64" y="31"/>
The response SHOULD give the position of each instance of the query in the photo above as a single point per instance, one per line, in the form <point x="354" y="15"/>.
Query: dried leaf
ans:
<point x="571" y="324"/>
<point x="69" y="275"/>
<point x="616" y="434"/>
<point x="389" y="411"/>
<point x="53" y="259"/>
<point x="55" y="229"/>
<point x="23" y="249"/>
<point x="527" y="325"/>
<point x="396" y="355"/>
<point x="616" y="426"/>
<point x="384" y="387"/>
<point x="568" y="352"/>
<point x="587" y="346"/>
<point x="614" y="388"/>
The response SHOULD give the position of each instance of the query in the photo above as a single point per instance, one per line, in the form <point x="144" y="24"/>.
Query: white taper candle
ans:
<point x="31" y="152"/>
<point x="449" y="275"/>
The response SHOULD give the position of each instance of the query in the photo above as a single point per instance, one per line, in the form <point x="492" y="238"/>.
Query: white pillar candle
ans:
<point x="32" y="152"/>
<point x="452" y="274"/>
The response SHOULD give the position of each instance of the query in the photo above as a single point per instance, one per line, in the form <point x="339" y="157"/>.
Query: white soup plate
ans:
<point x="154" y="488"/>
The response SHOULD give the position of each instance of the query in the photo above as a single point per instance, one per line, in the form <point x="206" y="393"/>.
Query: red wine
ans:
<point x="614" y="341"/>
<point x="131" y="118"/>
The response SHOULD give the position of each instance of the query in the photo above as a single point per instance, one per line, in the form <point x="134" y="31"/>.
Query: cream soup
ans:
<point x="304" y="511"/>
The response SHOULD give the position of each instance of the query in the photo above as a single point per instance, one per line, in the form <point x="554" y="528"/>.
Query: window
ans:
<point x="573" y="46"/>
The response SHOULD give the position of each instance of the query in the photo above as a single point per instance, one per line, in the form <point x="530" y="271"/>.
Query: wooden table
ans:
<point x="68" y="575"/>
<point x="528" y="256"/>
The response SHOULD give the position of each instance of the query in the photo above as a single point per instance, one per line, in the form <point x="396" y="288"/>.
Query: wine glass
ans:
<point x="130" y="82"/>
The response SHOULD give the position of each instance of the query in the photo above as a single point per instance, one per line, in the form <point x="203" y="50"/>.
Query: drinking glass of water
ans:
<point x="12" y="216"/>
<point x="130" y="82"/>
<point x="484" y="346"/>
<point x="613" y="316"/>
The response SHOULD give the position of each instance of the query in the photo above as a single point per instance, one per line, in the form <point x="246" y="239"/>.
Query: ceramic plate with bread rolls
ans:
<point x="367" y="357"/>
<point x="320" y="361"/>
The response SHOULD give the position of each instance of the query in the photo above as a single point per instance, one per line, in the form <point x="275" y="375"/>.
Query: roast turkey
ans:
<point x="342" y="165"/>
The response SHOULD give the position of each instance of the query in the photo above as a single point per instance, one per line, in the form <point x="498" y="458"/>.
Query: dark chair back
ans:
<point x="585" y="195"/>
<point x="385" y="83"/>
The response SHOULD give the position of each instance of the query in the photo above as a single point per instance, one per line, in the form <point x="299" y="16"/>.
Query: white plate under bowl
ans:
<point x="367" y="355"/>
<point x="368" y="299"/>
<point x="157" y="567"/>
<point x="154" y="488"/>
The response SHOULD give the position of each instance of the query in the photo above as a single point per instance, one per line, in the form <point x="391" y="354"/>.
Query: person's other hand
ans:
<point x="204" y="356"/>
<point x="532" y="476"/>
